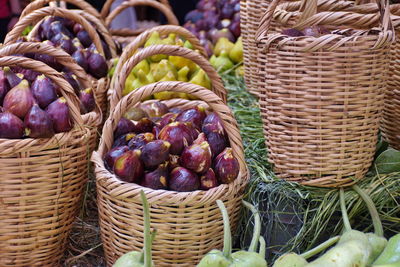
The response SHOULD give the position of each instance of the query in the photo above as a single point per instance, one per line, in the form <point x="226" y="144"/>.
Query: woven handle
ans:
<point x="105" y="11"/>
<point x="215" y="103"/>
<point x="65" y="88"/>
<point x="85" y="6"/>
<point x="37" y="15"/>
<point x="173" y="50"/>
<point x="131" y="3"/>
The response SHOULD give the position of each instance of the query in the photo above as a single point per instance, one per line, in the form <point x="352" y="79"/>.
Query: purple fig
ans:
<point x="157" y="179"/>
<point x="226" y="166"/>
<point x="19" y="99"/>
<point x="227" y="11"/>
<point x="38" y="123"/>
<point x="236" y="9"/>
<point x="44" y="28"/>
<point x="124" y="126"/>
<point x="194" y="16"/>
<point x="112" y="155"/>
<point x="212" y="123"/>
<point x="4" y="86"/>
<point x="194" y="132"/>
<point x="29" y="75"/>
<point x="80" y="58"/>
<point x="43" y="91"/>
<point x="202" y="24"/>
<point x="77" y="44"/>
<point x="166" y="119"/>
<point x="55" y="28"/>
<point x="123" y="140"/>
<point x="234" y="28"/>
<point x="128" y="166"/>
<point x="49" y="60"/>
<point x="144" y="125"/>
<point x="135" y="114"/>
<point x="200" y="139"/>
<point x="190" y="26"/>
<point x="68" y="23"/>
<point x="217" y="143"/>
<point x="217" y="34"/>
<point x="207" y="46"/>
<point x="11" y="126"/>
<point x="84" y="38"/>
<point x="66" y="44"/>
<point x="178" y="135"/>
<point x="175" y="110"/>
<point x="97" y="65"/>
<point x="106" y="49"/>
<point x="315" y="31"/>
<point x="183" y="180"/>
<point x="88" y="103"/>
<point x="174" y="162"/>
<point x="12" y="79"/>
<point x="208" y="180"/>
<point x="72" y="80"/>
<point x="59" y="114"/>
<point x="292" y="32"/>
<point x="155" y="153"/>
<point x="197" y="157"/>
<point x="156" y="130"/>
<point x="194" y="115"/>
<point x="140" y="140"/>
<point x="154" y="109"/>
<point x="77" y="28"/>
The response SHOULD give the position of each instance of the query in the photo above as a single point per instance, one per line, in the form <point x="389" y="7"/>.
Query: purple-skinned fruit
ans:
<point x="194" y="132"/>
<point x="234" y="28"/>
<point x="196" y="157"/>
<point x="43" y="91"/>
<point x="292" y="32"/>
<point x="19" y="99"/>
<point x="217" y="143"/>
<point x="135" y="114"/>
<point x="178" y="135"/>
<point x="144" y="125"/>
<point x="72" y="80"/>
<point x="208" y="180"/>
<point x="80" y="58"/>
<point x="4" y="86"/>
<point x="112" y="155"/>
<point x="208" y="46"/>
<point x="226" y="166"/>
<point x="124" y="126"/>
<point x="175" y="110"/>
<point x="106" y="49"/>
<point x="45" y="27"/>
<point x="155" y="153"/>
<point x="66" y="44"/>
<point x="173" y="162"/>
<point x="154" y="109"/>
<point x="227" y="11"/>
<point x="38" y="123"/>
<point x="12" y="79"/>
<point x="216" y="34"/>
<point x="97" y="65"/>
<point x="11" y="127"/>
<point x="87" y="100"/>
<point x="194" y="115"/>
<point x="123" y="140"/>
<point x="194" y="16"/>
<point x="84" y="38"/>
<point x="166" y="119"/>
<point x="128" y="166"/>
<point x="183" y="180"/>
<point x="29" y="75"/>
<point x="140" y="140"/>
<point x="58" y="111"/>
<point x="77" y="44"/>
<point x="157" y="179"/>
<point x="57" y="27"/>
<point x="77" y="28"/>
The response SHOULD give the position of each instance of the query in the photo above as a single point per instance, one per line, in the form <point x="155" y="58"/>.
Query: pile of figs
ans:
<point x="171" y="149"/>
<point x="73" y="39"/>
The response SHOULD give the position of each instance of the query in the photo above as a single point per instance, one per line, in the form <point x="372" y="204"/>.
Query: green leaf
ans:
<point x="388" y="161"/>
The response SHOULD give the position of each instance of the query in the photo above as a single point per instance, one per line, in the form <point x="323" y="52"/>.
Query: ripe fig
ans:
<point x="88" y="103"/>
<point x="166" y="119"/>
<point x="44" y="28"/>
<point x="194" y="115"/>
<point x="124" y="126"/>
<point x="315" y="31"/>
<point x="80" y="58"/>
<point x="38" y="123"/>
<point x="43" y="91"/>
<point x="200" y="139"/>
<point x="194" y="132"/>
<point x="292" y="32"/>
<point x="77" y="28"/>
<point x="197" y="157"/>
<point x="112" y="155"/>
<point x="144" y="125"/>
<point x="58" y="111"/>
<point x="77" y="44"/>
<point x="66" y="44"/>
<point x="72" y="80"/>
<point x="128" y="166"/>
<point x="212" y="123"/>
<point x="178" y="135"/>
<point x="57" y="27"/>
<point x="29" y="75"/>
<point x="155" y="153"/>
<point x="217" y="143"/>
<point x="154" y="109"/>
<point x="4" y="86"/>
<point x="49" y="60"/>
<point x="226" y="166"/>
<point x="11" y="126"/>
<point x="173" y="162"/>
<point x="208" y="180"/>
<point x="140" y="140"/>
<point x="19" y="99"/>
<point x="175" y="110"/>
<point x="97" y="65"/>
<point x="135" y="114"/>
<point x="123" y="140"/>
<point x="12" y="79"/>
<point x="106" y="48"/>
<point x="183" y="180"/>
<point x="157" y="179"/>
<point x="84" y="38"/>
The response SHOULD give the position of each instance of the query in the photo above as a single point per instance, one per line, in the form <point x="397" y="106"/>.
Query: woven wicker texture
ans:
<point x="42" y="182"/>
<point x="189" y="224"/>
<point x="321" y="99"/>
<point x="125" y="36"/>
<point x="105" y="11"/>
<point x="172" y="50"/>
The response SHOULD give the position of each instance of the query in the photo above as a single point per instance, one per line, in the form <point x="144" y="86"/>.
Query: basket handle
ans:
<point x="65" y="88"/>
<point x="214" y="101"/>
<point x="85" y="6"/>
<point x="141" y="39"/>
<point x="39" y="14"/>
<point x="171" y="18"/>
<point x="217" y="85"/>
<point x="105" y="11"/>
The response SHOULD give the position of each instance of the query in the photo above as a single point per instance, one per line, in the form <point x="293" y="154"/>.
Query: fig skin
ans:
<point x="4" y="86"/>
<point x="208" y="180"/>
<point x="112" y="155"/>
<point x="19" y="100"/>
<point x="128" y="167"/>
<point x="12" y="79"/>
<point x="29" y="75"/>
<point x="292" y="32"/>
<point x="197" y="157"/>
<point x="140" y="140"/>
<point x="212" y="123"/>
<point x="175" y="110"/>
<point x="72" y="80"/>
<point x="87" y="100"/>
<point x="144" y="125"/>
<point x="157" y="179"/>
<point x="77" y="28"/>
<point x="38" y="123"/>
<point x="45" y="27"/>
<point x="11" y="126"/>
<point x="194" y="132"/>
<point x="226" y="166"/>
<point x="154" y="153"/>
<point x="44" y="91"/>
<point x="59" y="114"/>
<point x="194" y="115"/>
<point x="178" y="135"/>
<point x="217" y="143"/>
<point x="124" y="126"/>
<point x="97" y="65"/>
<point x="49" y="60"/>
<point x="154" y="109"/>
<point x="173" y="162"/>
<point x="200" y="139"/>
<point x="123" y="140"/>
<point x="135" y="114"/>
<point x="166" y="119"/>
<point x="57" y="27"/>
<point x="80" y="58"/>
<point x="183" y="180"/>
<point x="84" y="38"/>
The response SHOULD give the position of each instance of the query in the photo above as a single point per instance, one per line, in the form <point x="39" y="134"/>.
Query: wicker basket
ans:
<point x="105" y="11"/>
<point x="188" y="224"/>
<point x="125" y="36"/>
<point x="322" y="98"/>
<point x="42" y="182"/>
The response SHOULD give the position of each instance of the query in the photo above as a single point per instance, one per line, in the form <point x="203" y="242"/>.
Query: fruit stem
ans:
<point x="227" y="230"/>
<point x="319" y="248"/>
<point x="262" y="247"/>
<point x="345" y="216"/>
<point x="257" y="226"/>
<point x="147" y="235"/>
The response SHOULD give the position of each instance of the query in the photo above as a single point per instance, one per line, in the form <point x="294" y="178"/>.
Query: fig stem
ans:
<point x="147" y="235"/>
<point x="321" y="247"/>
<point x="345" y="216"/>
<point x="227" y="250"/>
<point x="257" y="226"/>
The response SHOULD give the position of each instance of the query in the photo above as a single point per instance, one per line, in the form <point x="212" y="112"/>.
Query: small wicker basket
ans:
<point x="188" y="224"/>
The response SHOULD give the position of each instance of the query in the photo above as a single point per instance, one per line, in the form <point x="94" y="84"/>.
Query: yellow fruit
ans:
<point x="166" y="94"/>
<point x="142" y="65"/>
<point x="187" y="44"/>
<point x="155" y="39"/>
<point x="223" y="44"/>
<point x="236" y="54"/>
<point x="201" y="78"/>
<point x="239" y="71"/>
<point x="140" y="81"/>
<point x="128" y="84"/>
<point x="222" y="63"/>
<point x="162" y="69"/>
<point x="180" y="62"/>
<point x="183" y="74"/>
<point x="179" y="42"/>
<point x="170" y="40"/>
